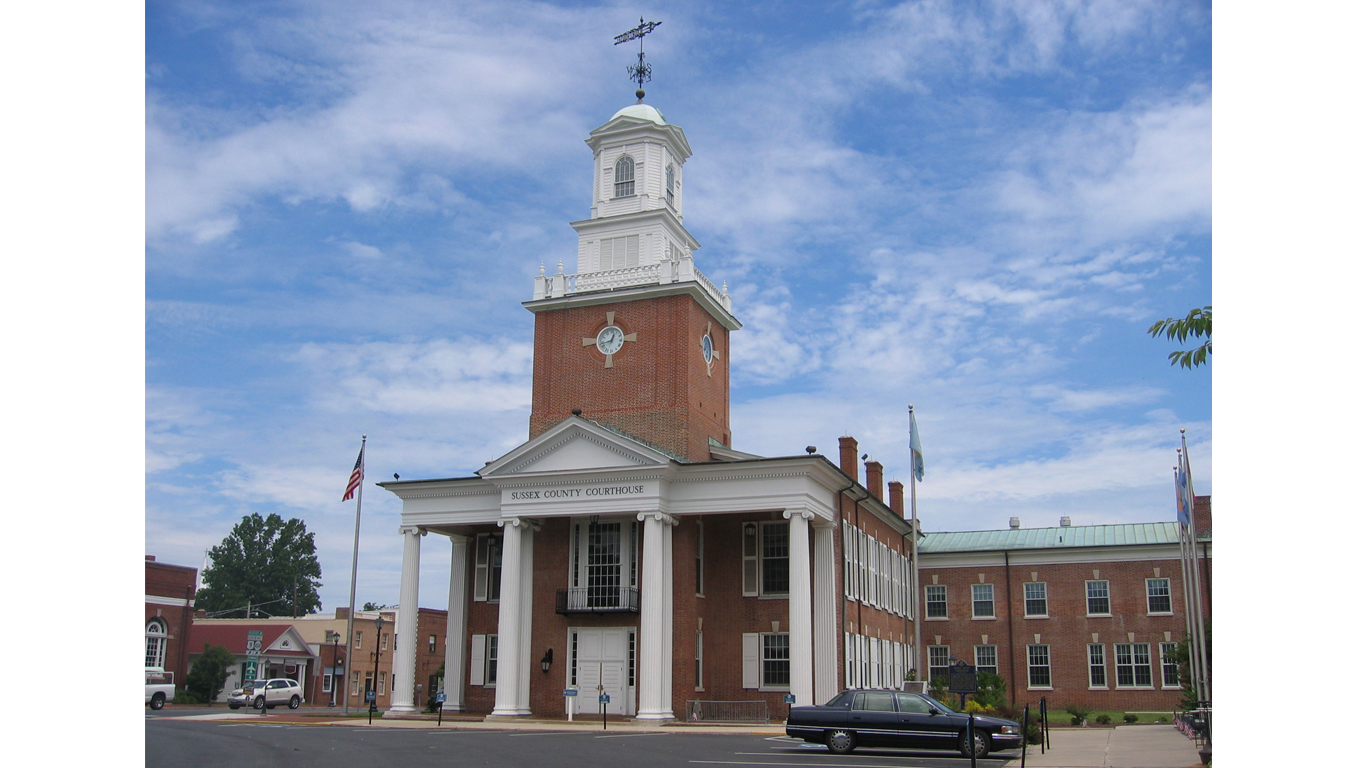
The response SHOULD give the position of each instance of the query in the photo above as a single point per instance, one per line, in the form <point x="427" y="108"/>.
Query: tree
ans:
<point x="1199" y="323"/>
<point x="209" y="672"/>
<point x="375" y="607"/>
<point x="991" y="690"/>
<point x="263" y="561"/>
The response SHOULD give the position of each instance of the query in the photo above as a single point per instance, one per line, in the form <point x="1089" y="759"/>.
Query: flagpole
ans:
<point x="351" y="607"/>
<point x="1195" y="568"/>
<point x="915" y="561"/>
<point x="1186" y="595"/>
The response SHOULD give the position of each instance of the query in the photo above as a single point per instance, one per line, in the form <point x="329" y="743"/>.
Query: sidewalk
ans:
<point x="1129" y="746"/>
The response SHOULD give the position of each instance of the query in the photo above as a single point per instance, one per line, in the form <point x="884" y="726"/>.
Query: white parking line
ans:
<point x="629" y="735"/>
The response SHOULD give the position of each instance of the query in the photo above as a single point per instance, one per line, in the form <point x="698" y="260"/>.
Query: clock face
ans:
<point x="610" y="339"/>
<point x="708" y="351"/>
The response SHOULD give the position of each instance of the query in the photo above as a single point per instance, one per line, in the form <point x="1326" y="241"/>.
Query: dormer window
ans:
<point x="669" y="185"/>
<point x="625" y="177"/>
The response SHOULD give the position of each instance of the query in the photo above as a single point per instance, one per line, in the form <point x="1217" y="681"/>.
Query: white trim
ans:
<point x="171" y="601"/>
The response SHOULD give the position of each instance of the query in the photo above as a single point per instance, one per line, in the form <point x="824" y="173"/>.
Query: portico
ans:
<point x="602" y="509"/>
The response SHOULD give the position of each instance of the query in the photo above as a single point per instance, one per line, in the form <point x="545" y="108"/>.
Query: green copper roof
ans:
<point x="643" y="112"/>
<point x="1050" y="538"/>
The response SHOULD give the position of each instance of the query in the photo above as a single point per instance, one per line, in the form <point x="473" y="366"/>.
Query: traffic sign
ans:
<point x="571" y="692"/>
<point x="254" y="638"/>
<point x="441" y="698"/>
<point x="249" y="673"/>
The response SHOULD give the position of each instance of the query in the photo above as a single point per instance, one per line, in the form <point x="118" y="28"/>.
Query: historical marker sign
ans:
<point x="962" y="677"/>
<point x="789" y="698"/>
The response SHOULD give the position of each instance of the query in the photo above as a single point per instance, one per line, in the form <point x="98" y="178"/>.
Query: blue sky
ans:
<point x="978" y="208"/>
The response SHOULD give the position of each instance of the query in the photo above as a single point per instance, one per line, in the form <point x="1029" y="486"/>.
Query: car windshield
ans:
<point x="943" y="708"/>
<point x="839" y="699"/>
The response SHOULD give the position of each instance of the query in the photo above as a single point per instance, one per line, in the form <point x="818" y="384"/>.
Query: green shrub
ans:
<point x="1078" y="713"/>
<point x="1131" y="718"/>
<point x="1162" y="719"/>
<point x="991" y="690"/>
<point x="1102" y="719"/>
<point x="209" y="672"/>
<point x="186" y="696"/>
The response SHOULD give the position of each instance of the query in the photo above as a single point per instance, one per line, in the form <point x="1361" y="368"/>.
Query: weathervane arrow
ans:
<point x="639" y="72"/>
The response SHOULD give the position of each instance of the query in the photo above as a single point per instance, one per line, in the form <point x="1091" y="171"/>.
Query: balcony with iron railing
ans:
<point x="597" y="600"/>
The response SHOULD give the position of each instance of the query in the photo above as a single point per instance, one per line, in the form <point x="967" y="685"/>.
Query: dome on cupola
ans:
<point x="642" y="112"/>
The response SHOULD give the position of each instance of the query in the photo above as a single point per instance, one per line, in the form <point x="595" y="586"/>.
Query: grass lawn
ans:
<point x="1060" y="717"/>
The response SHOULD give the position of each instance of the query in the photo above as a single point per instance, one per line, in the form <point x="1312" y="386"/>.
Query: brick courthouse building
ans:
<point x="626" y="544"/>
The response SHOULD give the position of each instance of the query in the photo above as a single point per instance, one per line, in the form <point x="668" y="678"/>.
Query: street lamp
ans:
<point x="374" y="699"/>
<point x="332" y="673"/>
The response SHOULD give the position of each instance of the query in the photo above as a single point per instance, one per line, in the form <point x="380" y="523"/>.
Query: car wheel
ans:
<point x="158" y="700"/>
<point x="841" y="742"/>
<point x="294" y="702"/>
<point x="259" y="703"/>
<point x="981" y="743"/>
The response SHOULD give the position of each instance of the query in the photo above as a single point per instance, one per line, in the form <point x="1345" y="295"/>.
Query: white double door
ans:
<point x="603" y="657"/>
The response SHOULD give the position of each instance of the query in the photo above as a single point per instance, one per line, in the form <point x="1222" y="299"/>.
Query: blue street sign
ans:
<point x="789" y="698"/>
<point x="369" y="695"/>
<point x="571" y="692"/>
<point x="604" y="698"/>
<point x="441" y="698"/>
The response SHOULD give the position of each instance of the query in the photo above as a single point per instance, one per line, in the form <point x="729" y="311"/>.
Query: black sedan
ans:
<point x="881" y="718"/>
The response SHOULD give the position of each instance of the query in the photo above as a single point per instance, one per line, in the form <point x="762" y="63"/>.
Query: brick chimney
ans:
<point x="874" y="483"/>
<point x="849" y="457"/>
<point x="153" y="558"/>
<point x="896" y="497"/>
<point x="1204" y="523"/>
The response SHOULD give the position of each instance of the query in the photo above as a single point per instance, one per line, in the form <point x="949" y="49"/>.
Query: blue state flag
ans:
<point x="1183" y="512"/>
<point x="917" y="455"/>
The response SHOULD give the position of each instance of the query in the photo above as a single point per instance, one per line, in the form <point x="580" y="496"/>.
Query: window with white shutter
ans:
<point x="476" y="659"/>
<point x="749" y="660"/>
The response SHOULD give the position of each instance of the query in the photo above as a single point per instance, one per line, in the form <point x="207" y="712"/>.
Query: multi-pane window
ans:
<point x="1036" y="598"/>
<point x="358" y="639"/>
<point x="1097" y="598"/>
<point x="986" y="658"/>
<point x="355" y="683"/>
<point x="983" y="601"/>
<point x="774" y="559"/>
<point x="777" y="670"/>
<point x="625" y="177"/>
<point x="488" y="567"/>
<point x="384" y="641"/>
<point x="1171" y="672"/>
<point x="383" y="683"/>
<point x="749" y="552"/>
<point x="1040" y="673"/>
<point x="431" y="643"/>
<point x="156" y="643"/>
<point x="491" y="660"/>
<point x="1095" y="654"/>
<point x="1159" y="595"/>
<point x="697" y="663"/>
<point x="1133" y="667"/>
<point x="327" y="683"/>
<point x="939" y="661"/>
<point x="699" y="559"/>
<point x="936" y="601"/>
<point x="669" y="185"/>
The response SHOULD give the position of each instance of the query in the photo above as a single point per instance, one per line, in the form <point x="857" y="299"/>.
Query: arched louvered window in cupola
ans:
<point x="625" y="177"/>
<point x="669" y="185"/>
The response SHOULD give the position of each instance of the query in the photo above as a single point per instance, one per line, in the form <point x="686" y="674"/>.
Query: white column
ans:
<point x="509" y="620"/>
<point x="654" y="603"/>
<point x="667" y="618"/>
<point x="405" y="630"/>
<point x="799" y="603"/>
<point x="457" y="618"/>
<point x="524" y="643"/>
<point x="824" y="630"/>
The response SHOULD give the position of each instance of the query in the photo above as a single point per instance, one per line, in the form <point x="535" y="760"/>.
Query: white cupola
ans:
<point x="634" y="235"/>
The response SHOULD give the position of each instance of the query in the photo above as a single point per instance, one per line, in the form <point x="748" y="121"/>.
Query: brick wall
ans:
<point x="657" y="389"/>
<point x="176" y="582"/>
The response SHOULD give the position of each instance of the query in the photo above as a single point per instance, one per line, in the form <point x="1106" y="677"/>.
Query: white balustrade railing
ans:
<point x="660" y="273"/>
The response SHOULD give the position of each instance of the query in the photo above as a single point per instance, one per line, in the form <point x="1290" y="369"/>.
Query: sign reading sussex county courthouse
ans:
<point x="533" y="496"/>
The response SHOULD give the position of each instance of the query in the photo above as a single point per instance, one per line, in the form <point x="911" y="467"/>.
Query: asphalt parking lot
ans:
<point x="173" y="742"/>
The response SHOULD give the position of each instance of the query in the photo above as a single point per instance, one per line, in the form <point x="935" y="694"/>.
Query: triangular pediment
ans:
<point x="575" y="444"/>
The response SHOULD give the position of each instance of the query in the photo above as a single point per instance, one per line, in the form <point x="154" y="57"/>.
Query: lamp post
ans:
<point x="332" y="673"/>
<point x="374" y="690"/>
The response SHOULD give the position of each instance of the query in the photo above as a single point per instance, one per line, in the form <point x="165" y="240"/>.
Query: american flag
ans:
<point x="357" y="474"/>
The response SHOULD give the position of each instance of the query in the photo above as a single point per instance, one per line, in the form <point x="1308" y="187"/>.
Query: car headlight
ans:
<point x="1012" y="730"/>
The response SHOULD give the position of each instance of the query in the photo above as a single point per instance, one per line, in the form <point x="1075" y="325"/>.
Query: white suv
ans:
<point x="267" y="693"/>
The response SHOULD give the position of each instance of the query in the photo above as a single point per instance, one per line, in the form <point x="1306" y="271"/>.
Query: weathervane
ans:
<point x="640" y="73"/>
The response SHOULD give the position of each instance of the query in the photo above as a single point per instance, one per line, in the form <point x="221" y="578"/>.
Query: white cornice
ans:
<point x="635" y="219"/>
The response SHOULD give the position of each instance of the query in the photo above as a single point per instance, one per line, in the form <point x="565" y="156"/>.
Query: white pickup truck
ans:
<point x="160" y="688"/>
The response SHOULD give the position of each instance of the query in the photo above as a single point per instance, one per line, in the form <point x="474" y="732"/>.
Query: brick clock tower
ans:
<point x="637" y="339"/>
